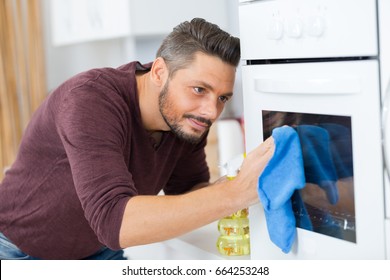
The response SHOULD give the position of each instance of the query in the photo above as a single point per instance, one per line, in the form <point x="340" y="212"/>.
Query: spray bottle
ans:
<point x="234" y="229"/>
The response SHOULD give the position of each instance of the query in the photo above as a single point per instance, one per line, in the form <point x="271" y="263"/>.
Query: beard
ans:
<point x="167" y="111"/>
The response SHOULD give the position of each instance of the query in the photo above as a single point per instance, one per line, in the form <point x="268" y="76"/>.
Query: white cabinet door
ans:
<point x="158" y="17"/>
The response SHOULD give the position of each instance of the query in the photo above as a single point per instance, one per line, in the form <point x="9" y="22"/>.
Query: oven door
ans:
<point x="335" y="108"/>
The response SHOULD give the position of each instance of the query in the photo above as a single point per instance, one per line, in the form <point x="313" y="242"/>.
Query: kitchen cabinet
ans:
<point x="148" y="17"/>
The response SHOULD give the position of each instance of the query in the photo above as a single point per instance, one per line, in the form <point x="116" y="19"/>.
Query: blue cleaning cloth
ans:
<point x="283" y="175"/>
<point x="318" y="162"/>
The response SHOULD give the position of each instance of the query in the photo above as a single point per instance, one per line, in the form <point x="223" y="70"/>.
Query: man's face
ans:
<point x="195" y="96"/>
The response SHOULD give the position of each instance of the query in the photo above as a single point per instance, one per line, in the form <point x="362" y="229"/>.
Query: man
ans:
<point x="105" y="142"/>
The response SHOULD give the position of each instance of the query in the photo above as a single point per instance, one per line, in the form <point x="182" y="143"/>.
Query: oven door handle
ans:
<point x="385" y="128"/>
<point x="339" y="86"/>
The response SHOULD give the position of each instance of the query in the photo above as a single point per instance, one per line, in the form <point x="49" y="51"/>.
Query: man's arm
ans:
<point x="149" y="219"/>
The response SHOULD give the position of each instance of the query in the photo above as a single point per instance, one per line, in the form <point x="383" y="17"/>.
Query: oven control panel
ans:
<point x="296" y="28"/>
<point x="308" y="29"/>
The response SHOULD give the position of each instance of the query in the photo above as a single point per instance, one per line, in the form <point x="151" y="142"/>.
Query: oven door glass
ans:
<point x="326" y="204"/>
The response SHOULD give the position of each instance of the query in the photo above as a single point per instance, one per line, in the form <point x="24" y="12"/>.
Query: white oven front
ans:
<point x="308" y="67"/>
<point x="341" y="101"/>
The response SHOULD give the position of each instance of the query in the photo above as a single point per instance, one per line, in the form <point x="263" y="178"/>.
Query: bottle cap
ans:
<point x="233" y="166"/>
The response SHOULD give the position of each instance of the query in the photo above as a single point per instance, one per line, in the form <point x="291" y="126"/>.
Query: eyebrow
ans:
<point x="210" y="87"/>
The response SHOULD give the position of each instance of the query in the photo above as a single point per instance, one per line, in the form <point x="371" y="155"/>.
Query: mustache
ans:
<point x="200" y="119"/>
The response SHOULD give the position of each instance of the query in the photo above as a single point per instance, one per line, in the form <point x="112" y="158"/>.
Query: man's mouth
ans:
<point x="199" y="123"/>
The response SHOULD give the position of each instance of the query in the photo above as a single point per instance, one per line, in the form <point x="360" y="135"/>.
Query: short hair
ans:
<point x="178" y="49"/>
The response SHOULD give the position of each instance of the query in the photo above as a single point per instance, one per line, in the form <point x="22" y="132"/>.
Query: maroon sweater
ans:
<point x="84" y="154"/>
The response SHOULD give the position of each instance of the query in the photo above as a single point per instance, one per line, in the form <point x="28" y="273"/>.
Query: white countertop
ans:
<point x="199" y="244"/>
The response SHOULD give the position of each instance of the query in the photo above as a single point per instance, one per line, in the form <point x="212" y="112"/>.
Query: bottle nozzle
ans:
<point x="233" y="166"/>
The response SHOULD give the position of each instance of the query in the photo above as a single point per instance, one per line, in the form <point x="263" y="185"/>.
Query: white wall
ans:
<point x="64" y="61"/>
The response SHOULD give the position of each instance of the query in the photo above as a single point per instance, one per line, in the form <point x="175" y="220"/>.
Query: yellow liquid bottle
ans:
<point x="234" y="232"/>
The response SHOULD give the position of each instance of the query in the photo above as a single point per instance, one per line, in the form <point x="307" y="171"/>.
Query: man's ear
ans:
<point x="159" y="72"/>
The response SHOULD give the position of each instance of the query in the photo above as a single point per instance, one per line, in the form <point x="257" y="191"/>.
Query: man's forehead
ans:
<point x="210" y="65"/>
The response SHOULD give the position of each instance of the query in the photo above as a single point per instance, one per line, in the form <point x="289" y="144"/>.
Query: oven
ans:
<point x="317" y="66"/>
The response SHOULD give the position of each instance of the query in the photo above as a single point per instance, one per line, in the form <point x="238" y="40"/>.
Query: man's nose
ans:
<point x="209" y="109"/>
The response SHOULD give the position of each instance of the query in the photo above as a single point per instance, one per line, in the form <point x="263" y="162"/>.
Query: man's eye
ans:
<point x="224" y="99"/>
<point x="198" y="89"/>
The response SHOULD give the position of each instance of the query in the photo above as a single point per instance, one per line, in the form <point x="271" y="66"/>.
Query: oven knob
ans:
<point x="275" y="30"/>
<point x="295" y="28"/>
<point x="316" y="26"/>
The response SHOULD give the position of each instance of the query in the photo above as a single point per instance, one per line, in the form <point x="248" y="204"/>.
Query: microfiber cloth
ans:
<point x="283" y="175"/>
<point x="318" y="162"/>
